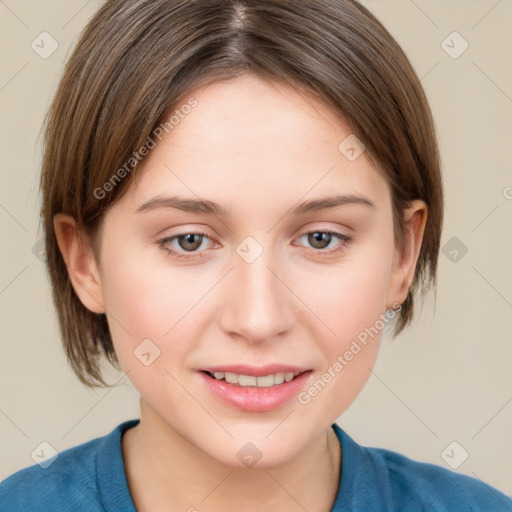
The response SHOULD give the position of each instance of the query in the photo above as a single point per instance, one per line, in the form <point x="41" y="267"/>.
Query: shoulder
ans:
<point x="380" y="479"/>
<point x="58" y="487"/>
<point x="72" y="481"/>
<point x="420" y="484"/>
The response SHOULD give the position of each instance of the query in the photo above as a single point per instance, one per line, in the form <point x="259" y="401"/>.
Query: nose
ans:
<point x="260" y="304"/>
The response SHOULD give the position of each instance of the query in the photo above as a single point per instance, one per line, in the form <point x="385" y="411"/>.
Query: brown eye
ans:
<point x="181" y="244"/>
<point x="318" y="239"/>
<point x="190" y="241"/>
<point x="321" y="240"/>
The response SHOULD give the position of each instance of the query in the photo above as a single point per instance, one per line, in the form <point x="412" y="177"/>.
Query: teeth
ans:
<point x="265" y="381"/>
<point x="232" y="378"/>
<point x="288" y="376"/>
<point x="248" y="380"/>
<point x="279" y="378"/>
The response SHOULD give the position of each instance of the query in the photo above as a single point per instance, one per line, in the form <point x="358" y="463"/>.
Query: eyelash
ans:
<point x="344" y="241"/>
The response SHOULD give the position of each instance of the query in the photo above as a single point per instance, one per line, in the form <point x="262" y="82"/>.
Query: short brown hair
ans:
<point x="136" y="59"/>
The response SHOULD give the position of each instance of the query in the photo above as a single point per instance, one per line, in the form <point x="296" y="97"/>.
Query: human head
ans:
<point x="137" y="62"/>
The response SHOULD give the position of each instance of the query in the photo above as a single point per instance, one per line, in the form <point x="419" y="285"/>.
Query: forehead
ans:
<point x="252" y="110"/>
<point x="246" y="137"/>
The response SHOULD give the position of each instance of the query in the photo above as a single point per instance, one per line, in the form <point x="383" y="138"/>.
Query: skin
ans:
<point x="257" y="149"/>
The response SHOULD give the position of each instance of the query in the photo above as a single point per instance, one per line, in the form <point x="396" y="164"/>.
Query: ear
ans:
<point x="80" y="262"/>
<point x="404" y="262"/>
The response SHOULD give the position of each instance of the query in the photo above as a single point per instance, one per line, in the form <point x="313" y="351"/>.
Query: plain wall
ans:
<point x="446" y="378"/>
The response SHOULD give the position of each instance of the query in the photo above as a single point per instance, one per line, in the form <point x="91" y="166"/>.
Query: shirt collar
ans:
<point x="362" y="487"/>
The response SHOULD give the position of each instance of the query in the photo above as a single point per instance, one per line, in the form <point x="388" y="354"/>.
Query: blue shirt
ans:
<point x="91" y="477"/>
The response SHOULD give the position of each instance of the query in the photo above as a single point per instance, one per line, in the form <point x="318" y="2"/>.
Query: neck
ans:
<point x="167" y="472"/>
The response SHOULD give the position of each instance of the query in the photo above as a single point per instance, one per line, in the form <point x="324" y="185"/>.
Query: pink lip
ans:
<point x="256" y="371"/>
<point x="253" y="398"/>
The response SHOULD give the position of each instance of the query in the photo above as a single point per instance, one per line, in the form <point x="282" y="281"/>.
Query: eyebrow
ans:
<point x="205" y="206"/>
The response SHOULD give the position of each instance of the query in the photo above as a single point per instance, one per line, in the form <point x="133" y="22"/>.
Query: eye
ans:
<point x="320" y="240"/>
<point x="187" y="242"/>
<point x="191" y="242"/>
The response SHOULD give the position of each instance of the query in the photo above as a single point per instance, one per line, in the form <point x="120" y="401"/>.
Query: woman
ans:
<point x="238" y="196"/>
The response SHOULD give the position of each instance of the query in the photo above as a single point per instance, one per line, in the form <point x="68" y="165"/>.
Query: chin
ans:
<point x="260" y="452"/>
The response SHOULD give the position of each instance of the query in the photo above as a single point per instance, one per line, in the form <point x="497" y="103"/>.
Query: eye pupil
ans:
<point x="190" y="242"/>
<point x="189" y="239"/>
<point x="318" y="239"/>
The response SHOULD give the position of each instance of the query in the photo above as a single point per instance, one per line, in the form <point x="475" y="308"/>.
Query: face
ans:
<point x="266" y="284"/>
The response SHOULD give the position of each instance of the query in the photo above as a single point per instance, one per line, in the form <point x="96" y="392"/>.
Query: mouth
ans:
<point x="262" y="381"/>
<point x="255" y="389"/>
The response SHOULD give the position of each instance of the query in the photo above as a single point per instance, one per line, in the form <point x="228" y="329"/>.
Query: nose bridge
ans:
<point x="259" y="303"/>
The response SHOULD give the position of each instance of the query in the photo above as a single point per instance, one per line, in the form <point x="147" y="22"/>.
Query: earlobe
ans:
<point x="404" y="262"/>
<point x="80" y="262"/>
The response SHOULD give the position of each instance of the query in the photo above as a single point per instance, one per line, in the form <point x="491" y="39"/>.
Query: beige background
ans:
<point x="448" y="378"/>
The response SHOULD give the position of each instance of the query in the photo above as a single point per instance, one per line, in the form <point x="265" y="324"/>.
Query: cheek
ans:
<point x="146" y="301"/>
<point x="350" y="301"/>
<point x="350" y="296"/>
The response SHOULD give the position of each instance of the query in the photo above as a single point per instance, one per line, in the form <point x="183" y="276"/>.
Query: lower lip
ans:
<point x="253" y="398"/>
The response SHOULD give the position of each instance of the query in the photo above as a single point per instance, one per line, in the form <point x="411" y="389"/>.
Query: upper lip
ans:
<point x="256" y="371"/>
